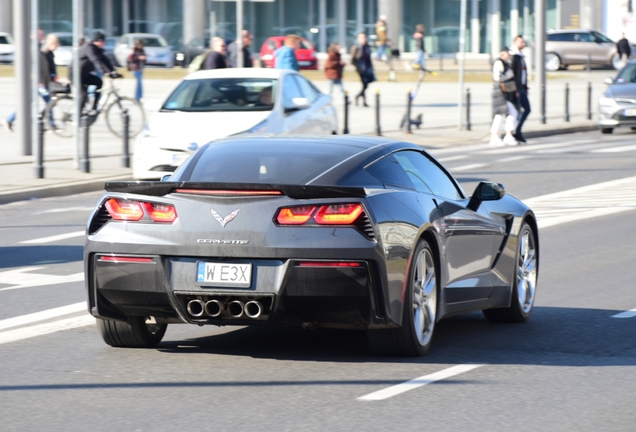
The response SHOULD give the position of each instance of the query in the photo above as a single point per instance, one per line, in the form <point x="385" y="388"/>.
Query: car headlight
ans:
<point x="606" y="102"/>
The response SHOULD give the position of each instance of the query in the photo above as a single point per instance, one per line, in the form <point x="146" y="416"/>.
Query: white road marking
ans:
<point x="511" y="159"/>
<point x="418" y="382"/>
<point x="55" y="238"/>
<point x="469" y="167"/>
<point x="615" y="149"/>
<point x="67" y="209"/>
<point x="21" y="278"/>
<point x="626" y="314"/>
<point x="44" y="329"/>
<point x="452" y="158"/>
<point x="41" y="316"/>
<point x="586" y="202"/>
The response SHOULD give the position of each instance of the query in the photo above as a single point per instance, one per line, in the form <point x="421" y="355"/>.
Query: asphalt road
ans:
<point x="569" y="368"/>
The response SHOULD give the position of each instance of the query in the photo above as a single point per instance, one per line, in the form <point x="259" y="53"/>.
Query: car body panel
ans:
<point x="7" y="48"/>
<point x="617" y="105"/>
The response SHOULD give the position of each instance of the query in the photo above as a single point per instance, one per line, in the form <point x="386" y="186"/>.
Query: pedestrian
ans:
<point x="504" y="100"/>
<point x="382" y="36"/>
<point x="217" y="58"/>
<point x="361" y="59"/>
<point x="50" y="45"/>
<point x="285" y="56"/>
<point x="93" y="61"/>
<point x="520" y="71"/>
<point x="136" y="64"/>
<point x="418" y="36"/>
<point x="623" y="49"/>
<point x="334" y="67"/>
<point x="247" y="56"/>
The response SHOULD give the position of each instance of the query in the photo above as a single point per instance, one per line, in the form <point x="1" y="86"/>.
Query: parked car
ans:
<point x="213" y="104"/>
<point x="351" y="232"/>
<point x="185" y="53"/>
<point x="617" y="106"/>
<point x="109" y="49"/>
<point x="306" y="54"/>
<point x="158" y="52"/>
<point x="578" y="47"/>
<point x="64" y="52"/>
<point x="7" y="49"/>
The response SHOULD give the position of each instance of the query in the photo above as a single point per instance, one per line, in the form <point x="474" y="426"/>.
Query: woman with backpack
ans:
<point x="504" y="100"/>
<point x="136" y="64"/>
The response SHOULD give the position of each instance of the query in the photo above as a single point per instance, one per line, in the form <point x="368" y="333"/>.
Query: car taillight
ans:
<point x="124" y="210"/>
<point x="295" y="215"/>
<point x="161" y="212"/>
<point x="338" y="214"/>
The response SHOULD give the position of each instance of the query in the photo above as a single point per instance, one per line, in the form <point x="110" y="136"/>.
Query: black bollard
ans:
<point x="125" y="157"/>
<point x="378" y="130"/>
<point x="407" y="118"/>
<point x="345" y="130"/>
<point x="468" y="125"/>
<point x="589" y="101"/>
<point x="567" y="103"/>
<point x="39" y="160"/>
<point x="543" y="116"/>
<point x="85" y="165"/>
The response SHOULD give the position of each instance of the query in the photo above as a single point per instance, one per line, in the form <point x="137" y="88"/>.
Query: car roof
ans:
<point x="146" y="35"/>
<point x="573" y="31"/>
<point x="362" y="141"/>
<point x="239" y="73"/>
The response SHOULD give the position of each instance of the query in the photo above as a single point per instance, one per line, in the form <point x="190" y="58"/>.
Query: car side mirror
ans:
<point x="298" y="104"/>
<point x="166" y="177"/>
<point x="486" y="191"/>
<point x="608" y="81"/>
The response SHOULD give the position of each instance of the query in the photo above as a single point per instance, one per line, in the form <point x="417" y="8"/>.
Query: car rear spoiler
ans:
<point x="158" y="188"/>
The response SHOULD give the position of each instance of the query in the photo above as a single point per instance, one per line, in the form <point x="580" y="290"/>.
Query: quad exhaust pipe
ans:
<point x="214" y="308"/>
<point x="253" y="309"/>
<point x="196" y="308"/>
<point x="236" y="309"/>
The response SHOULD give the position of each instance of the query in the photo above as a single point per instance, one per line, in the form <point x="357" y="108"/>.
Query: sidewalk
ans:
<point x="437" y="102"/>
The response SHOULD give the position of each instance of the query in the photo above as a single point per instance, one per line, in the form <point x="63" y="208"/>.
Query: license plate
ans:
<point x="304" y="63"/>
<point x="630" y="112"/>
<point x="224" y="274"/>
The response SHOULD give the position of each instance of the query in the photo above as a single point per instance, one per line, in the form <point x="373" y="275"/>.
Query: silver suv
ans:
<point x="576" y="47"/>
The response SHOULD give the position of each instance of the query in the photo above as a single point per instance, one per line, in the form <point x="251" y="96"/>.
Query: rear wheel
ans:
<point x="552" y="62"/>
<point x="414" y="337"/>
<point x="607" y="130"/>
<point x="524" y="283"/>
<point x="59" y="116"/>
<point x="138" y="332"/>
<point x="136" y="116"/>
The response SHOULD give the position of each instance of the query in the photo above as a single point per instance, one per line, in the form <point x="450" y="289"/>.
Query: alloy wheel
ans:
<point x="526" y="271"/>
<point x="424" y="297"/>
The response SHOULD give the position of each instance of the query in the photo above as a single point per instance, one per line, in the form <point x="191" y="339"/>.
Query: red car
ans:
<point x="306" y="54"/>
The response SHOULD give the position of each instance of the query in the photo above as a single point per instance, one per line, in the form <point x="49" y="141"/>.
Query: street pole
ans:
<point x="22" y="62"/>
<point x="35" y="75"/>
<point x="539" y="39"/>
<point x="462" y="49"/>
<point x="78" y="24"/>
<point x="239" y="33"/>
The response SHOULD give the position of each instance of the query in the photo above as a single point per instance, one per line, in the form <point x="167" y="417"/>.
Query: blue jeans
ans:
<point x="46" y="95"/>
<point x="419" y="60"/>
<point x="525" y="109"/>
<point x="139" y="89"/>
<point x="380" y="51"/>
<point x="336" y="82"/>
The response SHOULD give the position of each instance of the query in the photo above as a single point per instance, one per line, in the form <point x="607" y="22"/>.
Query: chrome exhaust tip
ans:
<point x="196" y="308"/>
<point x="253" y="309"/>
<point x="235" y="309"/>
<point x="214" y="308"/>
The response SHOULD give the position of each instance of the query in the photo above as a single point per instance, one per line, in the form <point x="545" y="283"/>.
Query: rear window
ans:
<point x="281" y="162"/>
<point x="561" y="37"/>
<point x="5" y="40"/>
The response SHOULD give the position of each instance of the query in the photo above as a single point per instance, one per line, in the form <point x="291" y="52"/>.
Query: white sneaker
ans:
<point x="7" y="126"/>
<point x="510" y="140"/>
<point x="495" y="141"/>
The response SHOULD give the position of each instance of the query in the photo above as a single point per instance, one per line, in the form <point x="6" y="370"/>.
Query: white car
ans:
<point x="158" y="52"/>
<point x="213" y="104"/>
<point x="7" y="49"/>
<point x="64" y="53"/>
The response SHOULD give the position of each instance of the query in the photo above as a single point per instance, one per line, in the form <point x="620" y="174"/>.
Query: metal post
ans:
<point x="78" y="30"/>
<point x="22" y="62"/>
<point x="567" y="102"/>
<point x="125" y="157"/>
<point x="85" y="165"/>
<point x="39" y="165"/>
<point x="35" y="71"/>
<point x="407" y="118"/>
<point x="589" y="101"/>
<point x="345" y="130"/>
<point x="468" y="125"/>
<point x="378" y="130"/>
<point x="540" y="37"/>
<point x="462" y="50"/>
<point x="239" y="33"/>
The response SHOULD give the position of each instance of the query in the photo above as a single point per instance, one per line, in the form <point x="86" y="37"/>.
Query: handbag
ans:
<point x="508" y="86"/>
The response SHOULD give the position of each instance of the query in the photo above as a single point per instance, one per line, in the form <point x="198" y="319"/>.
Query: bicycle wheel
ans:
<point x="136" y="115"/>
<point x="60" y="111"/>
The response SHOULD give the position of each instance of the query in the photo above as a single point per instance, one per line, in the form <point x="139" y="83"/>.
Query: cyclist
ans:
<point x="93" y="61"/>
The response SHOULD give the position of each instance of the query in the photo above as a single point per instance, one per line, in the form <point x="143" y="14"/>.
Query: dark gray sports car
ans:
<point x="350" y="232"/>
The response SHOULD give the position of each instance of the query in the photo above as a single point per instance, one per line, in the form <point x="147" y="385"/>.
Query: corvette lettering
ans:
<point x="217" y="241"/>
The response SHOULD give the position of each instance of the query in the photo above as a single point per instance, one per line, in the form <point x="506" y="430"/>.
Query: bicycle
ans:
<point x="61" y="108"/>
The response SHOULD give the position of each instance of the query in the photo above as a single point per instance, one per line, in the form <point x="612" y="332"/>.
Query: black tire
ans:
<point x="61" y="108"/>
<point x="607" y="130"/>
<point x="136" y="117"/>
<point x="135" y="333"/>
<point x="633" y="128"/>
<point x="527" y="265"/>
<point x="407" y="340"/>
<point x="552" y="62"/>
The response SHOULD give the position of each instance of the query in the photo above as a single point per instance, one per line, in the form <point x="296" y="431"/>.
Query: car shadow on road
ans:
<point x="20" y="256"/>
<point x="552" y="336"/>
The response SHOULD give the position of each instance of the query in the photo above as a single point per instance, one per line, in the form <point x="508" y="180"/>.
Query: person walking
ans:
<point x="504" y="100"/>
<point x="333" y="68"/>
<point x="247" y="56"/>
<point x="382" y="35"/>
<point x="520" y="72"/>
<point x="418" y="36"/>
<point x="623" y="49"/>
<point x="136" y="64"/>
<point x="217" y="58"/>
<point x="93" y="61"/>
<point x="286" y="55"/>
<point x="361" y="59"/>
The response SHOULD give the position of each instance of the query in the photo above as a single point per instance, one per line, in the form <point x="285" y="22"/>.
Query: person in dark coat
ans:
<point x="504" y="103"/>
<point x="333" y="68"/>
<point x="623" y="48"/>
<point x="247" y="56"/>
<point x="361" y="59"/>
<point x="137" y="64"/>
<point x="217" y="58"/>
<point x="520" y="71"/>
<point x="92" y="61"/>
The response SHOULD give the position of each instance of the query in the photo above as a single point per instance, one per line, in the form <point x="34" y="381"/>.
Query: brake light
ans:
<point x="227" y="192"/>
<point x="295" y="215"/>
<point x="124" y="210"/>
<point x="125" y="259"/>
<point x="328" y="264"/>
<point x="161" y="212"/>
<point x="338" y="214"/>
